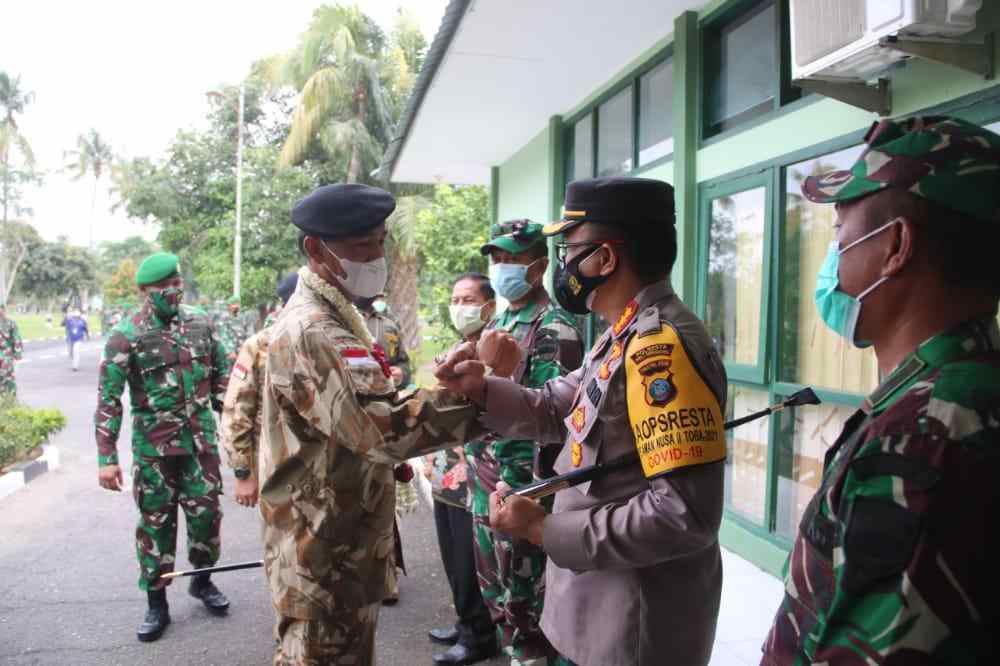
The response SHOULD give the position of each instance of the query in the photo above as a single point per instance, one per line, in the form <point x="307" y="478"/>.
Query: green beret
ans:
<point x="233" y="300"/>
<point x="156" y="267"/>
<point x="514" y="236"/>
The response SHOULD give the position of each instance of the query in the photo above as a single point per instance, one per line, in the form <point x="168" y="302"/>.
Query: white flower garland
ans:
<point x="343" y="307"/>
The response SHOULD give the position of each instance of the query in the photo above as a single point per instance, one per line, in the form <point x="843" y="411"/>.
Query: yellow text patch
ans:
<point x="675" y="416"/>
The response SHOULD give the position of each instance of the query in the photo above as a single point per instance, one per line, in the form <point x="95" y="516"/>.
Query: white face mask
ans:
<point x="467" y="319"/>
<point x="365" y="279"/>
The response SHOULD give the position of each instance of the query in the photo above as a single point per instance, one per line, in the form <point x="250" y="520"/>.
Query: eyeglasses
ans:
<point x="562" y="249"/>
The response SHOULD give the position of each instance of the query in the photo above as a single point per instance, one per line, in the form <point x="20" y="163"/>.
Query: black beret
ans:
<point x="621" y="202"/>
<point x="335" y="211"/>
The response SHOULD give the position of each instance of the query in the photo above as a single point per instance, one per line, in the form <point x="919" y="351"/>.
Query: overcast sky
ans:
<point x="137" y="71"/>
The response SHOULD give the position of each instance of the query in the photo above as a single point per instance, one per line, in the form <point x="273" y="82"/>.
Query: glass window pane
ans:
<point x="583" y="148"/>
<point x="803" y="437"/>
<point x="746" y="459"/>
<point x="736" y="274"/>
<point x="810" y="352"/>
<point x="614" y="135"/>
<point x="741" y="70"/>
<point x="656" y="113"/>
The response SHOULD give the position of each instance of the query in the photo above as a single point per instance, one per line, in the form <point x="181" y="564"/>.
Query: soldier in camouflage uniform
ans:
<point x="233" y="327"/>
<point x="241" y="415"/>
<point x="176" y="372"/>
<point x="333" y="425"/>
<point x="894" y="562"/>
<point x="11" y="350"/>
<point x="512" y="572"/>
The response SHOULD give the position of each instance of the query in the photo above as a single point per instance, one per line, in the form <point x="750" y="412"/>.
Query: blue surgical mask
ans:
<point x="839" y="310"/>
<point x="510" y="281"/>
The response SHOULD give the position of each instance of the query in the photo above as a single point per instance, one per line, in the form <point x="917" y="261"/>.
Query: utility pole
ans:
<point x="238" y="241"/>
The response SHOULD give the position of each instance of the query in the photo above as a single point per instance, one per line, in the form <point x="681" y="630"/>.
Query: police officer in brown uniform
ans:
<point x="634" y="573"/>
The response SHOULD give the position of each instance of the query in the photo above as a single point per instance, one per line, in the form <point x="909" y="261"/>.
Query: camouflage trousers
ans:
<point x="7" y="382"/>
<point x="159" y="486"/>
<point x="343" y="639"/>
<point x="511" y="572"/>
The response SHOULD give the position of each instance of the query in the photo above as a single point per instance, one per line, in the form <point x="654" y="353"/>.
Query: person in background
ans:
<point x="512" y="571"/>
<point x="233" y="327"/>
<point x="76" y="333"/>
<point x="241" y="416"/>
<point x="11" y="351"/>
<point x="176" y="371"/>
<point x="473" y="637"/>
<point x="895" y="559"/>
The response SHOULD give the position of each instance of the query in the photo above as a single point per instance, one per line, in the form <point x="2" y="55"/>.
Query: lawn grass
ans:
<point x="34" y="326"/>
<point x="422" y="357"/>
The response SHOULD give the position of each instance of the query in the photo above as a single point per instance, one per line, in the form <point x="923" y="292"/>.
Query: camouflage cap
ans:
<point x="514" y="236"/>
<point x="946" y="160"/>
<point x="156" y="267"/>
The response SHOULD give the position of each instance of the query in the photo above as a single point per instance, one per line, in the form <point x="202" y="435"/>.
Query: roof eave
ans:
<point x="450" y="22"/>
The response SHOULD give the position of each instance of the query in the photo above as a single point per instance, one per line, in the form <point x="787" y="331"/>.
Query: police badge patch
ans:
<point x="658" y="382"/>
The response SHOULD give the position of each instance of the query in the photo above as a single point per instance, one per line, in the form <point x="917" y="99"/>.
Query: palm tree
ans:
<point x="13" y="100"/>
<point x="336" y="69"/>
<point x="93" y="155"/>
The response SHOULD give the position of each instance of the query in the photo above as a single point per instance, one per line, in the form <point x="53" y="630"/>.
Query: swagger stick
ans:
<point x="551" y="486"/>
<point x="211" y="570"/>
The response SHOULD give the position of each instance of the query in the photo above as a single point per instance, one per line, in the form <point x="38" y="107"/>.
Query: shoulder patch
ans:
<point x="675" y="417"/>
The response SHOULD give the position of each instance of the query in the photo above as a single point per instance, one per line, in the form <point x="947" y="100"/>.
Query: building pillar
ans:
<point x="686" y="126"/>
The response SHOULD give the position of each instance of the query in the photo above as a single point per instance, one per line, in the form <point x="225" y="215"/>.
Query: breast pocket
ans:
<point x="157" y="361"/>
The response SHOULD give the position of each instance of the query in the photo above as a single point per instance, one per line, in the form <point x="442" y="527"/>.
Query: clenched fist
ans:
<point x="500" y="351"/>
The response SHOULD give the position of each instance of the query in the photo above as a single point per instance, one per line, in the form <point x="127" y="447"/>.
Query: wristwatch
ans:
<point x="242" y="474"/>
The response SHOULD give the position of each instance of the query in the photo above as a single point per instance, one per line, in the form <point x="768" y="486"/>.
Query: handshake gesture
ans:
<point x="464" y="368"/>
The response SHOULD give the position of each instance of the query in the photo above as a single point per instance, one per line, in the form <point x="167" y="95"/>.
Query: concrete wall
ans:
<point x="524" y="186"/>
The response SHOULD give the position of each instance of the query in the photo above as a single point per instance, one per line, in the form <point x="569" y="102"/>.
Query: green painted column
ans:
<point x="686" y="121"/>
<point x="494" y="194"/>
<point x="556" y="177"/>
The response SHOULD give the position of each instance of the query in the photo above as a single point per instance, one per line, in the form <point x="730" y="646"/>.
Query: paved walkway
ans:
<point x="750" y="597"/>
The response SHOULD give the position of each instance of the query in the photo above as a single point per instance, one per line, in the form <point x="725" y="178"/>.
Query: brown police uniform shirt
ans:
<point x="634" y="573"/>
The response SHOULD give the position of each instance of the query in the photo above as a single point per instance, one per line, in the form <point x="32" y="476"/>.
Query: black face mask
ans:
<point x="572" y="288"/>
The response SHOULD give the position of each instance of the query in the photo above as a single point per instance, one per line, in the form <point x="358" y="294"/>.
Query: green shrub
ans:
<point x="24" y="428"/>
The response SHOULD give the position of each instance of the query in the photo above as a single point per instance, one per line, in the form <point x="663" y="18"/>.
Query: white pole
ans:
<point x="238" y="241"/>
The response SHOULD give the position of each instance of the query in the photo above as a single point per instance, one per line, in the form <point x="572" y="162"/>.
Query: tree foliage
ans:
<point x="121" y="285"/>
<point x="449" y="234"/>
<point x="58" y="271"/>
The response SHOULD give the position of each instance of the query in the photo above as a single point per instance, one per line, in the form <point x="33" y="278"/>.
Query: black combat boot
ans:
<point x="204" y="589"/>
<point x="157" y="617"/>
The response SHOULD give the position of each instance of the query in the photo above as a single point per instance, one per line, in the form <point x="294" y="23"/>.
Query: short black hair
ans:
<point x="650" y="248"/>
<point x="485" y="288"/>
<point x="961" y="249"/>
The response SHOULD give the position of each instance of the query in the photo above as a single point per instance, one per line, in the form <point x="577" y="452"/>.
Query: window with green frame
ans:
<point x="627" y="129"/>
<point x="761" y="244"/>
<point x="744" y="64"/>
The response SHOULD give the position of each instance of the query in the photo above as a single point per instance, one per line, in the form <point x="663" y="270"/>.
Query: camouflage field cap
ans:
<point x="514" y="236"/>
<point x="946" y="160"/>
<point x="156" y="267"/>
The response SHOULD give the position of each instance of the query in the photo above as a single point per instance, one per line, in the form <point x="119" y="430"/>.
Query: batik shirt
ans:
<point x="176" y="372"/>
<point x="895" y="560"/>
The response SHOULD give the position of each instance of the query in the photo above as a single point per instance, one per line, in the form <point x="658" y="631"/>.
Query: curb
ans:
<point x="28" y="471"/>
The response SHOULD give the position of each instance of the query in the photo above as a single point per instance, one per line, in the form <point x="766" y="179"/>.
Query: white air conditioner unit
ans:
<point x="838" y="40"/>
